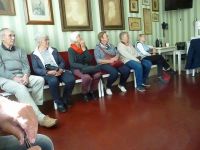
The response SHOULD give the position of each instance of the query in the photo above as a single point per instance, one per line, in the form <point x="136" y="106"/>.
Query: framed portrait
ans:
<point x="134" y="24"/>
<point x="112" y="14"/>
<point x="76" y="15"/>
<point x="133" y="6"/>
<point x="7" y="7"/>
<point x="39" y="12"/>
<point x="155" y="5"/>
<point x="146" y="2"/>
<point x="155" y="17"/>
<point x="147" y="21"/>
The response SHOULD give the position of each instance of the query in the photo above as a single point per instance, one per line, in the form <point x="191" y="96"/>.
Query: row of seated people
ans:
<point x="49" y="67"/>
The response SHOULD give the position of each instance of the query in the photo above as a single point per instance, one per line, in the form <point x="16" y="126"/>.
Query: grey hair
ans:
<point x="121" y="35"/>
<point x="2" y="33"/>
<point x="39" y="37"/>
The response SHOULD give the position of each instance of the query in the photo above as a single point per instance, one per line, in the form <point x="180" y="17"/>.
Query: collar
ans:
<point x="107" y="46"/>
<point x="7" y="49"/>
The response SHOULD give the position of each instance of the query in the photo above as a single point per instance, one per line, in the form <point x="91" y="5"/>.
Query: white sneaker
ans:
<point x="108" y="92"/>
<point x="122" y="88"/>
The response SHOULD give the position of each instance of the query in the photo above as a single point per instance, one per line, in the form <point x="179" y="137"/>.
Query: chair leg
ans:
<point x="193" y="72"/>
<point x="100" y="88"/>
<point x="55" y="106"/>
<point x="134" y="78"/>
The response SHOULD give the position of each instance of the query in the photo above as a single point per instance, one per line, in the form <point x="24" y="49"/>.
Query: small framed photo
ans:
<point x="7" y="7"/>
<point x="155" y="5"/>
<point x="112" y="14"/>
<point x="134" y="24"/>
<point x="155" y="17"/>
<point x="147" y="21"/>
<point x="39" y="12"/>
<point x="133" y="6"/>
<point x="146" y="2"/>
<point x="76" y="15"/>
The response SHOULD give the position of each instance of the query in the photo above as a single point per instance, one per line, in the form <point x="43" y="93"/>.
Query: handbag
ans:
<point x="115" y="64"/>
<point x="91" y="69"/>
<point x="181" y="45"/>
<point x="49" y="67"/>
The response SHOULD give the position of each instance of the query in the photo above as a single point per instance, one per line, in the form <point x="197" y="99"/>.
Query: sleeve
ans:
<point x="61" y="62"/>
<point x="38" y="70"/>
<point x="141" y="49"/>
<point x="87" y="56"/>
<point x="125" y="53"/>
<point x="3" y="72"/>
<point x="72" y="61"/>
<point x="97" y="54"/>
<point x="25" y="63"/>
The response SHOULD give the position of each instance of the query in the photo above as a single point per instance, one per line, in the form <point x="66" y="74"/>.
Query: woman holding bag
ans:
<point x="81" y="65"/>
<point x="108" y="57"/>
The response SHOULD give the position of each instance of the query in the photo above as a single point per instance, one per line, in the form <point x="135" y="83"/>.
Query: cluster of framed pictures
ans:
<point x="75" y="14"/>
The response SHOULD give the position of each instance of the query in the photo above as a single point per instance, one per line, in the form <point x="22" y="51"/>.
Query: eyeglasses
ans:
<point x="11" y="35"/>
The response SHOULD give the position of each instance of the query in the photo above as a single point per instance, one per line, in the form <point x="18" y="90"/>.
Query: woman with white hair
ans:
<point x="81" y="65"/>
<point x="49" y="64"/>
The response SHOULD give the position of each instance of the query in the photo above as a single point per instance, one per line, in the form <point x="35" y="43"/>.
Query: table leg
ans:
<point x="174" y="60"/>
<point x="179" y="63"/>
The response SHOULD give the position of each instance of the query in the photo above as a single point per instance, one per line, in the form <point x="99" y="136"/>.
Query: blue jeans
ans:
<point x="113" y="72"/>
<point x="53" y="82"/>
<point x="141" y="70"/>
<point x="11" y="143"/>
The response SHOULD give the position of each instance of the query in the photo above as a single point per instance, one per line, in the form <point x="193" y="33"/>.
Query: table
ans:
<point x="179" y="53"/>
<point x="172" y="49"/>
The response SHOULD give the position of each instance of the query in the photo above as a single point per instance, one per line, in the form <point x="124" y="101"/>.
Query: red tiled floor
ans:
<point x="163" y="118"/>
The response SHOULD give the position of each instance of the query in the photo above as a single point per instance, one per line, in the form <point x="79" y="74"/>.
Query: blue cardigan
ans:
<point x="193" y="57"/>
<point x="39" y="68"/>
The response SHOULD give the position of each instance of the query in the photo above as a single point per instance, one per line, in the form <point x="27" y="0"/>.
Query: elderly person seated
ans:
<point x="145" y="52"/>
<point x="18" y="128"/>
<point x="49" y="64"/>
<point x="129" y="56"/>
<point x="107" y="56"/>
<point x="81" y="65"/>
<point x="15" y="76"/>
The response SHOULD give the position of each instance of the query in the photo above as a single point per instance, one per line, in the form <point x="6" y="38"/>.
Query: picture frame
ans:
<point x="146" y="2"/>
<point x="7" y="8"/>
<point x="112" y="14"/>
<point x="155" y="17"/>
<point x="133" y="6"/>
<point x="147" y="21"/>
<point x="155" y="5"/>
<point x="76" y="15"/>
<point x="39" y="12"/>
<point x="134" y="24"/>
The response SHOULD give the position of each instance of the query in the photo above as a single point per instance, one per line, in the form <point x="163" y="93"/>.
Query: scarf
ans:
<point x="77" y="49"/>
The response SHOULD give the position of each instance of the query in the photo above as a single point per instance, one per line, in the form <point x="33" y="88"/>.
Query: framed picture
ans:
<point x="155" y="17"/>
<point x="134" y="24"/>
<point x="112" y="14"/>
<point x="155" y="5"/>
<point x="39" y="12"/>
<point x="147" y="21"/>
<point x="76" y="15"/>
<point x="146" y="2"/>
<point x="133" y="6"/>
<point x="7" y="7"/>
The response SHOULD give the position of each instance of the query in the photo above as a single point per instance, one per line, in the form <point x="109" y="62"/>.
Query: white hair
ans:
<point x="39" y="37"/>
<point x="73" y="37"/>
<point x="2" y="32"/>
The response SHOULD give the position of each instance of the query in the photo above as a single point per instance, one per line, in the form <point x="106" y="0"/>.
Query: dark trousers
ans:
<point x="159" y="61"/>
<point x="113" y="72"/>
<point x="141" y="69"/>
<point x="89" y="82"/>
<point x="53" y="82"/>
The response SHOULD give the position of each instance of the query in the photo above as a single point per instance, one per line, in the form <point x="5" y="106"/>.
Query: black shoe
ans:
<point x="92" y="95"/>
<point x="60" y="106"/>
<point x="68" y="103"/>
<point x="85" y="98"/>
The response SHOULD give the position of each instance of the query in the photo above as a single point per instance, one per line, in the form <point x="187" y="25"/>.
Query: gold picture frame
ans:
<point x="155" y="17"/>
<point x="155" y="5"/>
<point x="147" y="21"/>
<point x="76" y="15"/>
<point x="39" y="12"/>
<point x="112" y="14"/>
<point x="134" y="24"/>
<point x="7" y="8"/>
<point x="133" y="6"/>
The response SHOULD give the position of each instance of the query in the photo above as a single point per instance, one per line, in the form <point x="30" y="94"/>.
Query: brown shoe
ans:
<point x="48" y="122"/>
